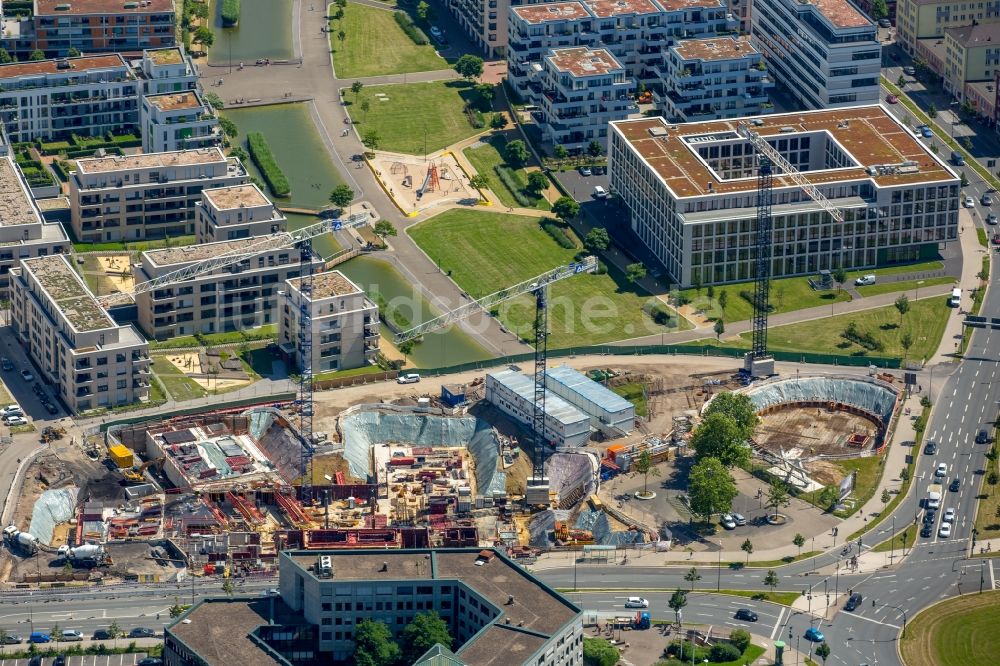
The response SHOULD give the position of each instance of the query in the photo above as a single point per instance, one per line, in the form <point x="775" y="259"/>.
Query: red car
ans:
<point x="996" y="239"/>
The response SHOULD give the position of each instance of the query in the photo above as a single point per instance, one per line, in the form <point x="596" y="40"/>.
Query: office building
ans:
<point x="723" y="77"/>
<point x="345" y="322"/>
<point x="607" y="409"/>
<point x="237" y="211"/>
<point x="918" y="20"/>
<point x="825" y="53"/>
<point x="92" y="361"/>
<point x="491" y="606"/>
<point x="514" y="394"/>
<point x="166" y="70"/>
<point x="972" y="55"/>
<point x="53" y="99"/>
<point x="90" y="26"/>
<point x="177" y="121"/>
<point x="237" y="297"/>
<point x="146" y="196"/>
<point x="691" y="190"/>
<point x="23" y="231"/>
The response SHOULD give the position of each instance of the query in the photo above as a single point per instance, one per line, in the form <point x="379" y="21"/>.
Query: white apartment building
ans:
<point x="691" y="190"/>
<point x="237" y="297"/>
<point x="237" y="211"/>
<point x="166" y="70"/>
<point x="146" y="196"/>
<point x="345" y="323"/>
<point x="825" y="53"/>
<point x="722" y="77"/>
<point x="177" y="121"/>
<point x="23" y="231"/>
<point x="53" y="99"/>
<point x="514" y="394"/>
<point x="93" y="361"/>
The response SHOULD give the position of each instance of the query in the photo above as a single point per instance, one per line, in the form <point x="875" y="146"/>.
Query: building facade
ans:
<point x="825" y="53"/>
<point x="79" y="349"/>
<point x="177" y="121"/>
<point x="53" y="99"/>
<point x="484" y="21"/>
<point x="513" y="393"/>
<point x="972" y="53"/>
<point x="167" y="70"/>
<point x="607" y="409"/>
<point x="344" y="323"/>
<point x="925" y="19"/>
<point x="237" y="211"/>
<point x="146" y="196"/>
<point x="691" y="191"/>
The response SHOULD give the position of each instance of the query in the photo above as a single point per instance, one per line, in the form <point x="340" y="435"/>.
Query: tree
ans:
<point x="214" y="100"/>
<point x="697" y="283"/>
<point x="719" y="329"/>
<point x="559" y="152"/>
<point x="723" y="300"/>
<point x="840" y="277"/>
<point x="711" y="489"/>
<point x="880" y="9"/>
<point x="777" y="496"/>
<point x="740" y="638"/>
<point x="565" y="208"/>
<point x="426" y="15"/>
<point x="932" y="110"/>
<point x="597" y="240"/>
<point x="719" y="437"/>
<point x="885" y="496"/>
<point x="992" y="479"/>
<point x="341" y="35"/>
<point x="823" y="649"/>
<point x="175" y="611"/>
<point x="678" y="600"/>
<point x="498" y="121"/>
<point x="373" y="645"/>
<point x="964" y="180"/>
<point x="72" y="53"/>
<point x="228" y="587"/>
<point x="342" y="196"/>
<point x="479" y="181"/>
<point x="485" y="92"/>
<point x="599" y="652"/>
<point x="595" y="149"/>
<point x="635" y="272"/>
<point x="356" y="88"/>
<point x="516" y="153"/>
<point x="537" y="182"/>
<point x="55" y="632"/>
<point x="692" y="576"/>
<point x="644" y="465"/>
<point x="739" y="408"/>
<point x="906" y="341"/>
<point x="902" y="306"/>
<point x="204" y="36"/>
<point x="384" y="228"/>
<point x="371" y="140"/>
<point x="5" y="57"/>
<point x="228" y="127"/>
<point x="771" y="580"/>
<point x="799" y="541"/>
<point x="115" y="629"/>
<point x="900" y="82"/>
<point x="469" y="66"/>
<point x="747" y="547"/>
<point x="365" y="106"/>
<point x="967" y="141"/>
<point x="423" y="632"/>
<point x="38" y="54"/>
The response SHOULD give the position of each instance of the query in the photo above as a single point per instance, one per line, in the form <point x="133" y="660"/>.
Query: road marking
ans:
<point x="868" y="619"/>
<point x="777" y="625"/>
<point x="993" y="581"/>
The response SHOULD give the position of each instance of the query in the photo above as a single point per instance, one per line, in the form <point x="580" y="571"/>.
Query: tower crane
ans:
<point x="758" y="363"/>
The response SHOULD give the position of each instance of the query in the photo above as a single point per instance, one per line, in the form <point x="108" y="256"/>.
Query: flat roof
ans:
<point x="168" y="56"/>
<point x="679" y="5"/>
<point x="551" y="11"/>
<point x="219" y="629"/>
<point x="189" y="253"/>
<point x="14" y="70"/>
<point x="868" y="133"/>
<point x="608" y="8"/>
<point x="175" y="101"/>
<point x="16" y="203"/>
<point x="978" y="34"/>
<point x="719" y="48"/>
<point x="150" y="160"/>
<point x="62" y="7"/>
<point x="68" y="292"/>
<point x="326" y="285"/>
<point x="555" y="406"/>
<point x="841" y="13"/>
<point x="583" y="61"/>
<point x="585" y="386"/>
<point x="236" y="196"/>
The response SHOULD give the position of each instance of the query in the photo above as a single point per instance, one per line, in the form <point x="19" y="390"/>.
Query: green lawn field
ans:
<point x="375" y="45"/>
<point x="484" y="158"/>
<point x="956" y="632"/>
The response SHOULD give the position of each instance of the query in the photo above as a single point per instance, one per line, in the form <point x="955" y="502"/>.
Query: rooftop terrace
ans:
<point x="551" y="11"/>
<point x="841" y="13"/>
<point x="582" y="61"/>
<point x="175" y="101"/>
<point x="720" y="48"/>
<point x="63" y="66"/>
<point x="15" y="202"/>
<point x="236" y="196"/>
<point x="190" y="253"/>
<point x="608" y="8"/>
<point x="171" y="56"/>
<point x="326" y="285"/>
<point x="68" y="293"/>
<point x="680" y="5"/>
<point x="64" y="7"/>
<point x="150" y="160"/>
<point x="867" y="133"/>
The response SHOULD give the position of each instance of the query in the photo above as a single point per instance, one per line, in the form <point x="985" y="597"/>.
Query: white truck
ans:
<point x="15" y="538"/>
<point x="933" y="500"/>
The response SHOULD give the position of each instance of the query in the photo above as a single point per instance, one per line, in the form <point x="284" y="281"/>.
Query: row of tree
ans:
<point x="374" y="646"/>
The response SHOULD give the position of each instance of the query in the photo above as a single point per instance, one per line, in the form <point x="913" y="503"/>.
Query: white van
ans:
<point x="865" y="280"/>
<point x="600" y="192"/>
<point x="956" y="298"/>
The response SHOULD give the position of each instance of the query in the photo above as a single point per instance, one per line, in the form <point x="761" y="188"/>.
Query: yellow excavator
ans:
<point x="134" y="474"/>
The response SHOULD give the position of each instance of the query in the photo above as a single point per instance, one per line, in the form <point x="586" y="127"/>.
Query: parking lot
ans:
<point x="82" y="660"/>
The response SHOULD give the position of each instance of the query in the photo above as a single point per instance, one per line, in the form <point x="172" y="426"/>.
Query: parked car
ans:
<point x="931" y="448"/>
<point x="11" y="410"/>
<point x="982" y="437"/>
<point x="50" y="408"/>
<point x="969" y="202"/>
<point x="955" y="485"/>
<point x="6" y="364"/>
<point x="600" y="170"/>
<point x="150" y="661"/>
<point x="585" y="171"/>
<point x="11" y="639"/>
<point x="60" y="660"/>
<point x="728" y="522"/>
<point x="15" y="420"/>
<point x="408" y="378"/>
<point x="739" y="519"/>
<point x="71" y="635"/>
<point x="142" y="632"/>
<point x="942" y="470"/>
<point x="853" y="602"/>
<point x="996" y="239"/>
<point x="636" y="602"/>
<point x="884" y="23"/>
<point x="815" y="635"/>
<point x="436" y="31"/>
<point x="101" y="635"/>
<point x="909" y="70"/>
<point x="746" y="614"/>
<point x="945" y="530"/>
<point x="39" y="637"/>
<point x="27" y="376"/>
<point x="600" y="192"/>
<point x="865" y="280"/>
<point x="926" y="132"/>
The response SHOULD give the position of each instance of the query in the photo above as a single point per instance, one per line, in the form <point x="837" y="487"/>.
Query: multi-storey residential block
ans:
<point x="691" y="190"/>
<point x="91" y="26"/>
<point x="237" y="211"/>
<point x="92" y="361"/>
<point x="925" y="19"/>
<point x="972" y="53"/>
<point x="167" y="70"/>
<point x="826" y="53"/>
<point x="52" y="99"/>
<point x="484" y="21"/>
<point x="146" y="196"/>
<point x="240" y="296"/>
<point x="982" y="96"/>
<point x="176" y="121"/>
<point x="724" y="77"/>
<point x="23" y="233"/>
<point x="345" y="322"/>
<point x="496" y="612"/>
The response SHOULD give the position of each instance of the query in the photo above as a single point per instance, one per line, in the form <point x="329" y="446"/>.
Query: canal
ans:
<point x="264" y="31"/>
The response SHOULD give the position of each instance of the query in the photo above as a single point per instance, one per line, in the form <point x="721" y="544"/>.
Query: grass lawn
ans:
<point x="134" y="246"/>
<point x="753" y="652"/>
<point x="902" y="539"/>
<point x="415" y="116"/>
<point x="981" y="235"/>
<point x="987" y="521"/>
<point x="783" y="598"/>
<point x="265" y="332"/>
<point x="488" y="156"/>
<point x="583" y="310"/>
<point x="905" y="285"/>
<point x="375" y="45"/>
<point x="633" y="392"/>
<point x="868" y="472"/>
<point x="957" y="632"/>
<point x="177" y="384"/>
<point x="353" y="372"/>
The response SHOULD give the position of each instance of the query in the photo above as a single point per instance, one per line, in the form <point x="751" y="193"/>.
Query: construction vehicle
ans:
<point x="135" y="474"/>
<point x="641" y="621"/>
<point x="16" y="539"/>
<point x="52" y="433"/>
<point x="90" y="554"/>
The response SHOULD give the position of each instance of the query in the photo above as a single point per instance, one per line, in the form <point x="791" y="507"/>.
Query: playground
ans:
<point x="417" y="184"/>
<point x="210" y="369"/>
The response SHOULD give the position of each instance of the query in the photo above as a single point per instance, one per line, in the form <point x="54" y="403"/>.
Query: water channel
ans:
<point x="264" y="31"/>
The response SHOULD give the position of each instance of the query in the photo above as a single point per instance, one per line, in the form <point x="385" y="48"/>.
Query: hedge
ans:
<point x="511" y="182"/>
<point x="230" y="12"/>
<point x="412" y="31"/>
<point x="558" y="235"/>
<point x="261" y="155"/>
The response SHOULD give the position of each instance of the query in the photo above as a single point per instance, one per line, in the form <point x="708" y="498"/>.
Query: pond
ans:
<point x="264" y="31"/>
<point x="449" y="347"/>
<point x="325" y="245"/>
<point x="297" y="147"/>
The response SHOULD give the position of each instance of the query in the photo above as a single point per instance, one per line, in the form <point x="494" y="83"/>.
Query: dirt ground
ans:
<point x="213" y="383"/>
<point x="186" y="362"/>
<point x="404" y="175"/>
<point x="813" y="431"/>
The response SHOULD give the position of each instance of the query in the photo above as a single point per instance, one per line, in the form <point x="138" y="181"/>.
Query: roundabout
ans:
<point x="957" y="632"/>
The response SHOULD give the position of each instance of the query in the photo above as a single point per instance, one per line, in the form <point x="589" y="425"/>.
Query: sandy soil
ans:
<point x="186" y="362"/>
<point x="211" y="383"/>
<point x="403" y="175"/>
<point x="112" y="266"/>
